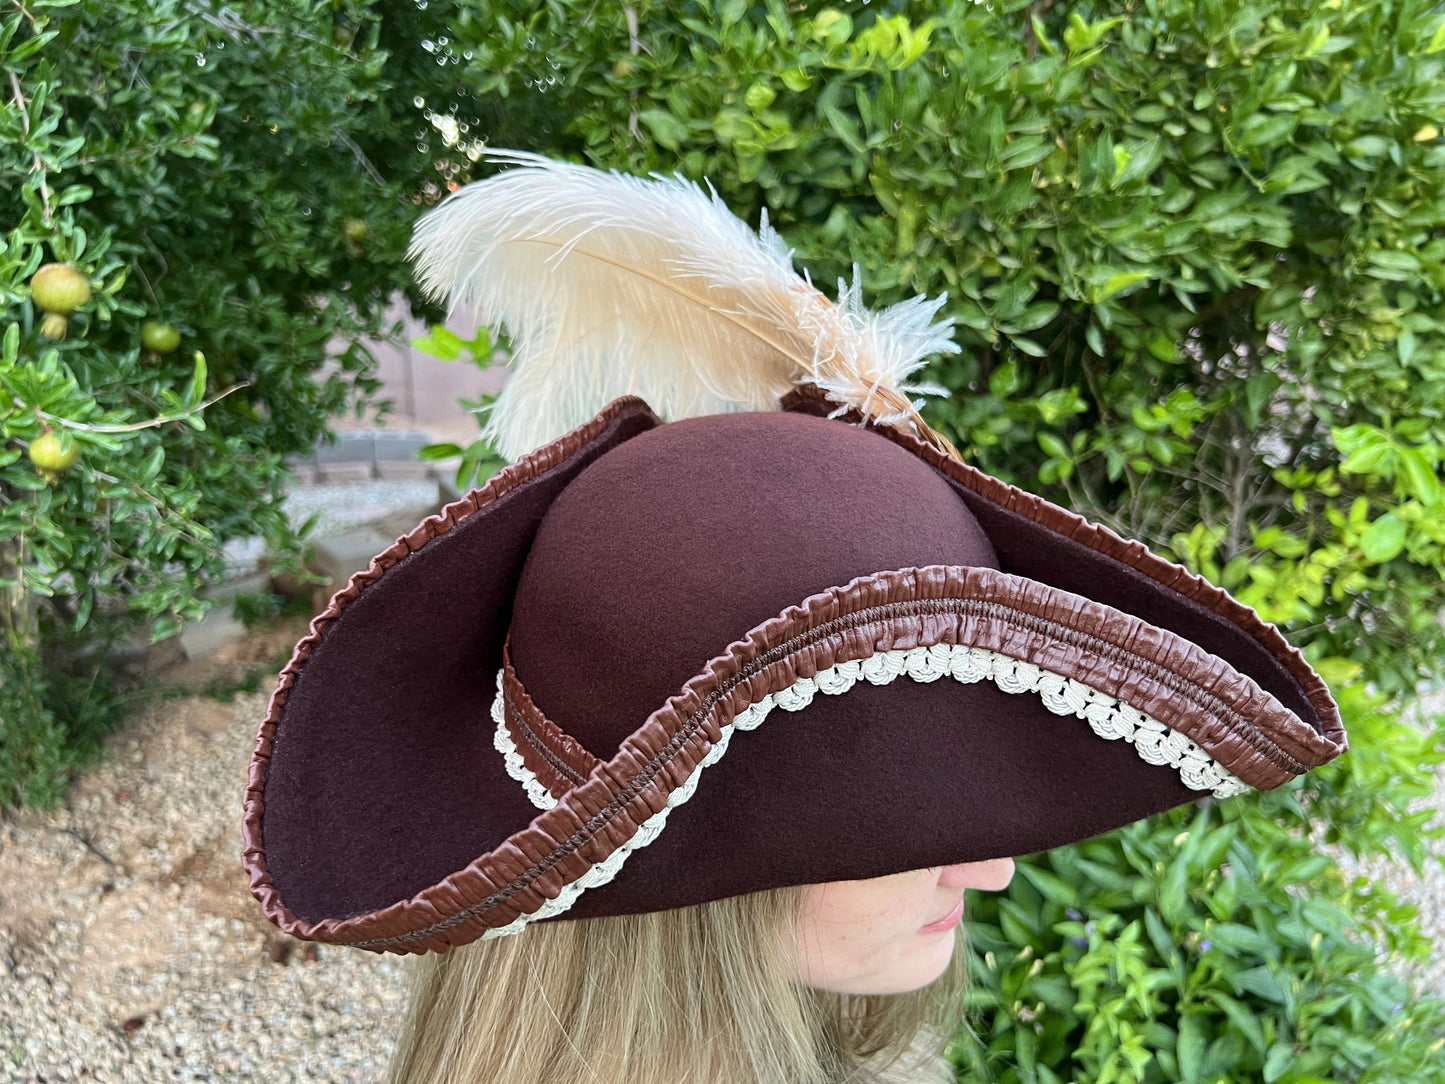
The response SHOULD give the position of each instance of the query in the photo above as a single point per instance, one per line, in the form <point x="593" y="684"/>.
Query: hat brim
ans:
<point x="381" y="814"/>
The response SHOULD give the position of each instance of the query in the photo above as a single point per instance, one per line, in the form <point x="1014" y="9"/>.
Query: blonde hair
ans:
<point x="699" y="995"/>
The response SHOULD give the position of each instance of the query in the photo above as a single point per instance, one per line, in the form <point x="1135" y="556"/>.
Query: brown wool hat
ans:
<point x="809" y="643"/>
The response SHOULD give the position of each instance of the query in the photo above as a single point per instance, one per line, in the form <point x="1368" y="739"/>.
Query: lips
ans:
<point x="947" y="922"/>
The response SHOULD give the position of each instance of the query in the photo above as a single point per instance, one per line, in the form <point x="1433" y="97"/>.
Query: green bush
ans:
<point x="1195" y="250"/>
<point x="246" y="174"/>
<point x="1214" y="944"/>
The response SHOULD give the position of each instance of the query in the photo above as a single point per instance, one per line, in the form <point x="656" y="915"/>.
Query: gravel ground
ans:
<point x="131" y="949"/>
<point x="130" y="946"/>
<point x="343" y="505"/>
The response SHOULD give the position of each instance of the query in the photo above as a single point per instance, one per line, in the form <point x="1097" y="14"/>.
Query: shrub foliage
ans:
<point x="1195" y="250"/>
<point x="243" y="173"/>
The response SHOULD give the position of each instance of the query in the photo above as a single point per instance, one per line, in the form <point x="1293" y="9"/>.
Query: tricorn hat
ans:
<point x="654" y="663"/>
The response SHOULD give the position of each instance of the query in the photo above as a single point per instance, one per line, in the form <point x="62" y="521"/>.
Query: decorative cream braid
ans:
<point x="1106" y="715"/>
<point x="540" y="796"/>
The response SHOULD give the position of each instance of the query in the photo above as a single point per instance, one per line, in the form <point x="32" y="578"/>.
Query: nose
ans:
<point x="992" y="875"/>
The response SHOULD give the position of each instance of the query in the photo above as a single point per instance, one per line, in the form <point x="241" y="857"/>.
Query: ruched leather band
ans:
<point x="557" y="760"/>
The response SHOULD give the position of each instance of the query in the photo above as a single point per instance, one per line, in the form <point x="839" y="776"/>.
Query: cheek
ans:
<point x="863" y="937"/>
<point x="875" y="964"/>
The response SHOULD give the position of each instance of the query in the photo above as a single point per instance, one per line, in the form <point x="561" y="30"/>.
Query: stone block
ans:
<point x="304" y="472"/>
<point x="228" y="589"/>
<point x="341" y="555"/>
<point x="402" y="470"/>
<point x="397" y="446"/>
<point x="244" y="555"/>
<point x="345" y="473"/>
<point x="212" y="632"/>
<point x="356" y="447"/>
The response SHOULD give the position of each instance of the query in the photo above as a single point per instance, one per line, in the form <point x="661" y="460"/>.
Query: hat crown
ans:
<point x="673" y="545"/>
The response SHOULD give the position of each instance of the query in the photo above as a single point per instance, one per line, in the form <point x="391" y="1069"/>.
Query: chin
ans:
<point x="910" y="972"/>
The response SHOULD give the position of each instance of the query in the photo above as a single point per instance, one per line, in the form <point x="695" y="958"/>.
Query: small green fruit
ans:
<point x="53" y="455"/>
<point x="355" y="229"/>
<point x="159" y="337"/>
<point x="58" y="289"/>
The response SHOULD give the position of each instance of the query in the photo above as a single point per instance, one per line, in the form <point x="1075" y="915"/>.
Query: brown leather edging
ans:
<point x="594" y="818"/>
<point x="551" y="740"/>
<point x="1133" y="554"/>
<point x="553" y="756"/>
<point x="505" y="481"/>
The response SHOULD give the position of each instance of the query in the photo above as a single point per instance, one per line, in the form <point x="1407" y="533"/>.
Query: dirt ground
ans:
<point x="131" y="947"/>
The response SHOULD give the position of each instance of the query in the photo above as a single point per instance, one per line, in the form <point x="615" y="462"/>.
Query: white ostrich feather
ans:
<point x="613" y="285"/>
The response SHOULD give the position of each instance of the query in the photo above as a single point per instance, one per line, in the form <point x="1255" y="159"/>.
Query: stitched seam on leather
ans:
<point x="910" y="608"/>
<point x="1181" y="686"/>
<point x="539" y="743"/>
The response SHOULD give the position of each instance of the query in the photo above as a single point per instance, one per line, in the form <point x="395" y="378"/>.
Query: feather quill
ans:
<point x="612" y="285"/>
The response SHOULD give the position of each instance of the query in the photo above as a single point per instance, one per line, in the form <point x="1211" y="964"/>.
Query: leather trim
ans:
<point x="557" y="760"/>
<point x="1244" y="728"/>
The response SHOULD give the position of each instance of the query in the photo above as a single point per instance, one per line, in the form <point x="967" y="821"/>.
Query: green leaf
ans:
<point x="196" y="392"/>
<point x="153" y="463"/>
<point x="1418" y="475"/>
<point x="1369" y="146"/>
<point x="442" y="344"/>
<point x="1261" y="982"/>
<point x="1437" y="39"/>
<point x="759" y="96"/>
<point x="796" y="80"/>
<point x="845" y="128"/>
<point x="1190" y="1047"/>
<point x="76" y="193"/>
<point x="1262" y="130"/>
<point x="669" y="131"/>
<point x="1005" y="380"/>
<point x="1050" y="885"/>
<point x="1037" y="315"/>
<point x="433" y="452"/>
<point x="1051" y="443"/>
<point x="1384" y="539"/>
<point x="1117" y="283"/>
<point x="83" y="607"/>
<point x="1240" y="1017"/>
<point x="1277" y="1062"/>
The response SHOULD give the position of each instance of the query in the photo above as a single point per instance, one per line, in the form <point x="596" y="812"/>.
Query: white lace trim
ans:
<point x="541" y="797"/>
<point x="1106" y="715"/>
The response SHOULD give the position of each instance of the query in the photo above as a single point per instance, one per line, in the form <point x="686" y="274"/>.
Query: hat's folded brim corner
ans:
<point x="365" y="769"/>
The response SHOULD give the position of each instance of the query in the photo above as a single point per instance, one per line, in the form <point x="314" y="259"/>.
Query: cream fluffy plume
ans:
<point x="613" y="285"/>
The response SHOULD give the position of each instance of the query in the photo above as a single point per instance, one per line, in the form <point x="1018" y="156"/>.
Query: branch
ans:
<point x="1237" y="504"/>
<point x="34" y="25"/>
<point x="361" y="159"/>
<point x="634" y="44"/>
<point x="231" y="24"/>
<point x="134" y="426"/>
<point x="36" y="166"/>
<point x="1031" y="40"/>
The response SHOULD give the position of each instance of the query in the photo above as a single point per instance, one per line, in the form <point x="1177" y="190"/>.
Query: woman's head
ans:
<point x="791" y="986"/>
